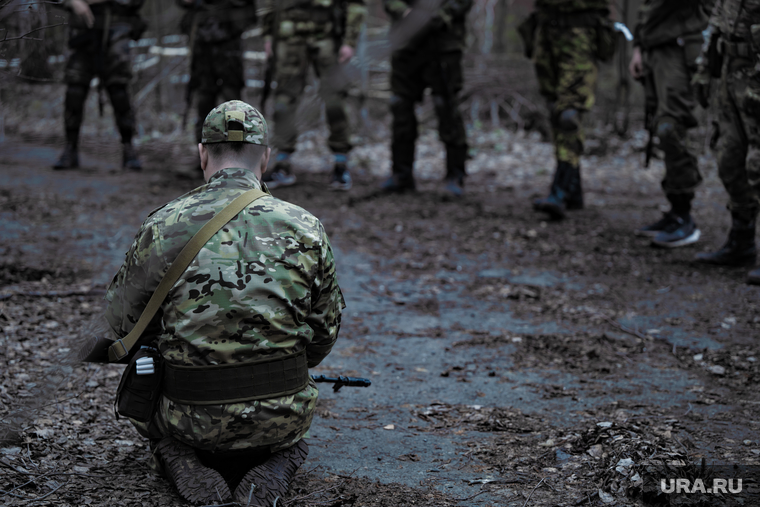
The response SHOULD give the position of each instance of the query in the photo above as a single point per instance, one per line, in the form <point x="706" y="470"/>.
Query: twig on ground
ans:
<point x="531" y="493"/>
<point x="48" y="493"/>
<point x="472" y="496"/>
<point x="319" y="491"/>
<point x="54" y="293"/>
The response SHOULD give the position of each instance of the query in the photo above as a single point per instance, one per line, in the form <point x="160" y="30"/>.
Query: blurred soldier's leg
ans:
<point x="334" y="91"/>
<point x="407" y="84"/>
<point x="116" y="74"/>
<point x="79" y="73"/>
<point x="446" y="84"/>
<point x="670" y="82"/>
<point x="219" y="75"/>
<point x="738" y="168"/>
<point x="567" y="73"/>
<point x="290" y="74"/>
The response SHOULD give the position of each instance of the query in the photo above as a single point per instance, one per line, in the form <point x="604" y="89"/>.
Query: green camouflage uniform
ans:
<point x="216" y="69"/>
<point x="111" y="63"/>
<point x="738" y="105"/>
<point x="432" y="58"/>
<point x="669" y="34"/>
<point x="566" y="68"/>
<point x="263" y="286"/>
<point x="310" y="34"/>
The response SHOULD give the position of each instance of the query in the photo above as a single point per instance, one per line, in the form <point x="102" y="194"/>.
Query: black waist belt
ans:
<point x="219" y="385"/>
<point x="583" y="19"/>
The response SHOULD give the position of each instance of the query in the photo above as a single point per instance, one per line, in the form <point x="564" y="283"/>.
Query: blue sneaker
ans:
<point x="681" y="231"/>
<point x="279" y="176"/>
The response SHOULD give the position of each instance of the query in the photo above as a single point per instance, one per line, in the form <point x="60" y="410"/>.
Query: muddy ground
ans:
<point x="514" y="361"/>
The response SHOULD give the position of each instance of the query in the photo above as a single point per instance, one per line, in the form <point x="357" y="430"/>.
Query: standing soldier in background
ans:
<point x="99" y="35"/>
<point x="214" y="28"/>
<point x="322" y="34"/>
<point x="734" y="35"/>
<point x="568" y="36"/>
<point x="668" y="39"/>
<point x="431" y="58"/>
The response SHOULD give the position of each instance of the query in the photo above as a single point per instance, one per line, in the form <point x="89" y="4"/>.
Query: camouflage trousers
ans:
<point x="739" y="128"/>
<point x="412" y="71"/>
<point x="669" y="93"/>
<point x="217" y="73"/>
<point x="112" y="66"/>
<point x="294" y="58"/>
<point x="566" y="69"/>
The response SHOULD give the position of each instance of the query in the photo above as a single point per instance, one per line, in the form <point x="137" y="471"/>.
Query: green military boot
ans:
<point x="195" y="482"/>
<point x="264" y="484"/>
<point x="739" y="249"/>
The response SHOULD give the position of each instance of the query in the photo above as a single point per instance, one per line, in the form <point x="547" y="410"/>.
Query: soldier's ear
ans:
<point x="203" y="154"/>
<point x="265" y="160"/>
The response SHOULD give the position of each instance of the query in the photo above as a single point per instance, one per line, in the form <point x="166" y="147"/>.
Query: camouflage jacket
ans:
<point x="341" y="19"/>
<point x="664" y="21"/>
<point x="264" y="285"/>
<point x="572" y="5"/>
<point x="446" y="31"/>
<point x="217" y="20"/>
<point x="734" y="18"/>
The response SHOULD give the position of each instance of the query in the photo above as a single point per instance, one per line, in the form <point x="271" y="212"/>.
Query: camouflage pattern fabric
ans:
<point x="112" y="65"/>
<point x="294" y="57"/>
<point x="314" y="19"/>
<point x="663" y="21"/>
<point x="669" y="67"/>
<point x="263" y="286"/>
<point x="738" y="112"/>
<point x="567" y="71"/>
<point x="306" y="38"/>
<point x="668" y="84"/>
<point x="216" y="124"/>
<point x="735" y="18"/>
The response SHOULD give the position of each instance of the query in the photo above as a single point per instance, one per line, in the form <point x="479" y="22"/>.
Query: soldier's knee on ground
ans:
<point x="569" y="120"/>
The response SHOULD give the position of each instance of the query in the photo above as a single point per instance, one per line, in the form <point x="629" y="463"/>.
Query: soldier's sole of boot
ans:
<point x="555" y="211"/>
<point x="688" y="240"/>
<point x="707" y="258"/>
<point x="194" y="482"/>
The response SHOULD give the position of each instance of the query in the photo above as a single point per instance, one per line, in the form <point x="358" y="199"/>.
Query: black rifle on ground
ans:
<point x="342" y="381"/>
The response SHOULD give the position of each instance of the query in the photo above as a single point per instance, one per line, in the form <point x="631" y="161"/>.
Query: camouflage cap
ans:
<point x="234" y="121"/>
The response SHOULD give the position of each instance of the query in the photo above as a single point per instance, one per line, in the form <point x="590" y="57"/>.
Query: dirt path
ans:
<point x="514" y="361"/>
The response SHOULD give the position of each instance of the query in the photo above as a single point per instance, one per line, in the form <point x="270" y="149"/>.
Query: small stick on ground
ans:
<point x="531" y="493"/>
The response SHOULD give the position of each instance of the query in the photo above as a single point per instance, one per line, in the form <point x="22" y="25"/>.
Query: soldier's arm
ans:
<point x="356" y="13"/>
<point x="326" y="307"/>
<point x="134" y="284"/>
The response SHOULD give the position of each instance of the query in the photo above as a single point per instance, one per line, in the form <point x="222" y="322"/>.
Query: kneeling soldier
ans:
<point x="257" y="306"/>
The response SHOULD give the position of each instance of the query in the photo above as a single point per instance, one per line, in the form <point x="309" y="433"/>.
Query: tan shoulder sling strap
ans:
<point x="120" y="348"/>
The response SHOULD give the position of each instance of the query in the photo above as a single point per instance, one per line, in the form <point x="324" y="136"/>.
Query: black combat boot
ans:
<point x="129" y="158"/>
<point x="753" y="278"/>
<point x="69" y="158"/>
<point x="565" y="192"/>
<point x="456" y="157"/>
<point x="739" y="249"/>
<point x="402" y="161"/>
<point x="264" y="484"/>
<point x="195" y="482"/>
